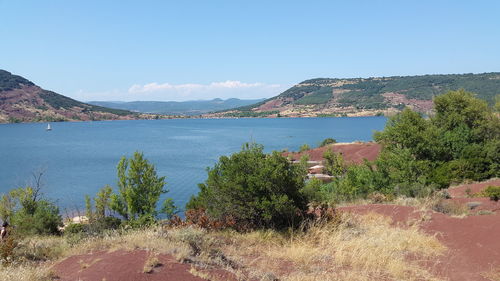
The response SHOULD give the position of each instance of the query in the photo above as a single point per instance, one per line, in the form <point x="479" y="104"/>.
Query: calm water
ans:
<point x="81" y="157"/>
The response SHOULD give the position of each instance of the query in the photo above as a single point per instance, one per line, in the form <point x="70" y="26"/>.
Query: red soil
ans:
<point x="473" y="242"/>
<point x="353" y="153"/>
<point x="460" y="191"/>
<point x="127" y="266"/>
<point x="473" y="247"/>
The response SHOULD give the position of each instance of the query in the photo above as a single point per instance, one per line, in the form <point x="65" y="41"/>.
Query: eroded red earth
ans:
<point x="473" y="241"/>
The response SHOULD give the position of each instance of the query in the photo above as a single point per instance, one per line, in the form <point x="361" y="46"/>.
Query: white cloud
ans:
<point x="181" y="92"/>
<point x="155" y="87"/>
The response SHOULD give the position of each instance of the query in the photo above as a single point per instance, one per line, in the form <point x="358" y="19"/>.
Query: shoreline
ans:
<point x="188" y="117"/>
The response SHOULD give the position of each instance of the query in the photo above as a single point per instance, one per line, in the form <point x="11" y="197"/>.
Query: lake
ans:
<point x="79" y="158"/>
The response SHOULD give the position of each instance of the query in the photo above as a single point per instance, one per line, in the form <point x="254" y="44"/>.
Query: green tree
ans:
<point x="30" y="213"/>
<point x="460" y="141"/>
<point x="327" y="141"/>
<point x="409" y="130"/>
<point x="102" y="201"/>
<point x="304" y="147"/>
<point x="139" y="188"/>
<point x="313" y="192"/>
<point x="254" y="188"/>
<point x="334" y="163"/>
<point x="88" y="208"/>
<point x="7" y="206"/>
<point x="168" y="208"/>
<point x="303" y="162"/>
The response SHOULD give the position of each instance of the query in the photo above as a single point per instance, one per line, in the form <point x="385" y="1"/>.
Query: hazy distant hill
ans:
<point x="23" y="101"/>
<point x="178" y="108"/>
<point x="368" y="96"/>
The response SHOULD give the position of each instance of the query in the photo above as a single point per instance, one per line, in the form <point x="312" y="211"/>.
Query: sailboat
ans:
<point x="48" y="128"/>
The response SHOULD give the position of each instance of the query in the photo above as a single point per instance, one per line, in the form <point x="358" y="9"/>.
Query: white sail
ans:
<point x="48" y="127"/>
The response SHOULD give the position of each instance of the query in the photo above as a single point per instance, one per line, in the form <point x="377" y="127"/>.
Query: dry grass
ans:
<point x="353" y="248"/>
<point x="451" y="208"/>
<point x="151" y="263"/>
<point x="26" y="272"/>
<point x="435" y="203"/>
<point x="493" y="274"/>
<point x="32" y="258"/>
<point x="199" y="273"/>
<point x="359" y="248"/>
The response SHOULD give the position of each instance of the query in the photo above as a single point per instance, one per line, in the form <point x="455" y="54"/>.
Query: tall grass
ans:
<point x="352" y="247"/>
<point x="359" y="248"/>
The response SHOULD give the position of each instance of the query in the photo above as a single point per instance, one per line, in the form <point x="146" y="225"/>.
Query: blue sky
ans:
<point x="185" y="50"/>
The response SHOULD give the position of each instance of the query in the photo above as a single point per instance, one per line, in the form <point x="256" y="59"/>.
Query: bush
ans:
<point x="327" y="141"/>
<point x="451" y="208"/>
<point x="377" y="197"/>
<point x="255" y="189"/>
<point x="74" y="228"/>
<point x="459" y="141"/>
<point x="334" y="163"/>
<point x="45" y="219"/>
<point x="304" y="147"/>
<point x="141" y="222"/>
<point x="493" y="192"/>
<point x="313" y="192"/>
<point x="8" y="247"/>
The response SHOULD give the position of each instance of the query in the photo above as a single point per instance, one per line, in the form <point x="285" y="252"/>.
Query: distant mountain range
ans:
<point x="178" y="108"/>
<point x="23" y="101"/>
<point x="367" y="96"/>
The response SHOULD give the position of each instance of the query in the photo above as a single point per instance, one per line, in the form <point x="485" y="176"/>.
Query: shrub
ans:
<point x="327" y="141"/>
<point x="304" y="147"/>
<point x="449" y="207"/>
<point x="313" y="192"/>
<point x="493" y="192"/>
<point x="7" y="248"/>
<point x="377" y="197"/>
<point x="200" y="218"/>
<point x="334" y="163"/>
<point x="44" y="219"/>
<point x="74" y="228"/>
<point x="459" y="141"/>
<point x="256" y="189"/>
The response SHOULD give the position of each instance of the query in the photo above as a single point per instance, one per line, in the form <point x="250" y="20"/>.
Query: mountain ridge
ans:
<point x="367" y="96"/>
<point x="23" y="101"/>
<point x="189" y="108"/>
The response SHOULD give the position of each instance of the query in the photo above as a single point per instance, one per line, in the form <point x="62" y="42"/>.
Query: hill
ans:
<point x="178" y="108"/>
<point x="23" y="101"/>
<point x="368" y="96"/>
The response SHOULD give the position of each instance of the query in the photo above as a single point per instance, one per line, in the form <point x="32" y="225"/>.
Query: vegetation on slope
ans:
<point x="9" y="81"/>
<point x="58" y="101"/>
<point x="368" y="90"/>
<point x="23" y="101"/>
<point x="460" y="142"/>
<point x="377" y="93"/>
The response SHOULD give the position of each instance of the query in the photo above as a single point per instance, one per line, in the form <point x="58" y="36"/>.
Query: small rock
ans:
<point x="473" y="205"/>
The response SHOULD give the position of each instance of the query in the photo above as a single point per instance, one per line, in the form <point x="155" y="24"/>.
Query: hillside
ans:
<point x="23" y="101"/>
<point x="368" y="96"/>
<point x="178" y="108"/>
